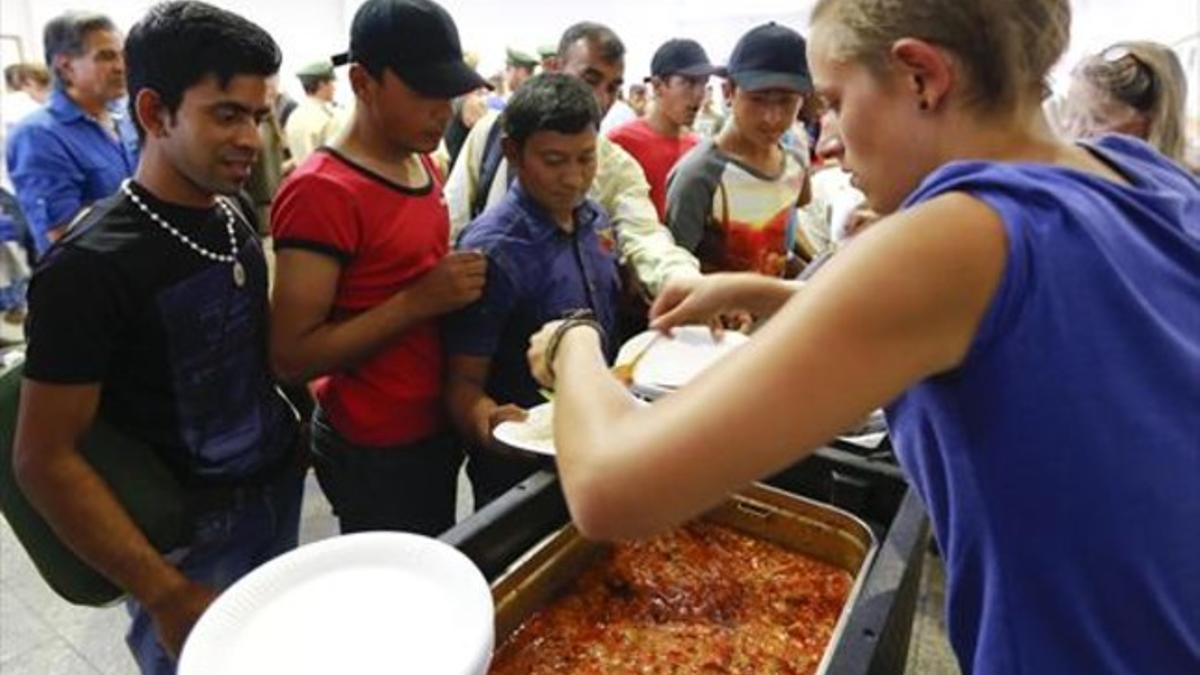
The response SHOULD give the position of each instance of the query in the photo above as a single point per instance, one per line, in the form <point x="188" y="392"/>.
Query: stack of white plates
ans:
<point x="370" y="603"/>
<point x="672" y="362"/>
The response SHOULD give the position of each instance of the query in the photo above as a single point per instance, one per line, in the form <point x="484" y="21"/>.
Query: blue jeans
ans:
<point x="262" y="523"/>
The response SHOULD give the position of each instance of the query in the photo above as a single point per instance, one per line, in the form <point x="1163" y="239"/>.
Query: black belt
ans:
<point x="219" y="496"/>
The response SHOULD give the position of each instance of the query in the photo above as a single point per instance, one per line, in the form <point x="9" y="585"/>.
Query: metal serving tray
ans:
<point x="795" y="523"/>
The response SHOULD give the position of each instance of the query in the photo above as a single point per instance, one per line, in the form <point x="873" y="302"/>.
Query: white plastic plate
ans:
<point x="535" y="434"/>
<point x="672" y="362"/>
<point x="369" y="603"/>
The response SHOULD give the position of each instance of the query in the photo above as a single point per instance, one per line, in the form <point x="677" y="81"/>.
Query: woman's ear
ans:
<point x="926" y="70"/>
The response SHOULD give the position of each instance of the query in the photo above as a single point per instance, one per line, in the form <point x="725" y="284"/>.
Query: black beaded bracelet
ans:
<point x="575" y="319"/>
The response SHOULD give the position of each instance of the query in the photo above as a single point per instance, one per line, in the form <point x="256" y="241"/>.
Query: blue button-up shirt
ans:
<point x="60" y="160"/>
<point x="536" y="273"/>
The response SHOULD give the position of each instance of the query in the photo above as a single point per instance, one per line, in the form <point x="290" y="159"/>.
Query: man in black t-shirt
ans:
<point x="151" y="314"/>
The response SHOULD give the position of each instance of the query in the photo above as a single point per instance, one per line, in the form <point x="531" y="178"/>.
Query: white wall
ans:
<point x="311" y="29"/>
<point x="306" y="30"/>
<point x="488" y="26"/>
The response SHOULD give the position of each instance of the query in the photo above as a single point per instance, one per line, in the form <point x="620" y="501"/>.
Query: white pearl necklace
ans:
<point x="239" y="272"/>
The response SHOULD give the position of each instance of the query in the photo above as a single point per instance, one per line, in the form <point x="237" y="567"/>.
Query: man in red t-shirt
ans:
<point x="363" y="272"/>
<point x="679" y="73"/>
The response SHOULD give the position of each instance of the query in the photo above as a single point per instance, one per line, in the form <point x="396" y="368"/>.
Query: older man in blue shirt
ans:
<point x="545" y="258"/>
<point x="81" y="145"/>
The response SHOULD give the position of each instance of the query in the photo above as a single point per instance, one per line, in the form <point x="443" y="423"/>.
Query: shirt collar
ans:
<point x="63" y="108"/>
<point x="66" y="110"/>
<point x="585" y="214"/>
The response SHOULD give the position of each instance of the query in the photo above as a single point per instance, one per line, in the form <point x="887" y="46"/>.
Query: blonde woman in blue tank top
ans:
<point x="1029" y="314"/>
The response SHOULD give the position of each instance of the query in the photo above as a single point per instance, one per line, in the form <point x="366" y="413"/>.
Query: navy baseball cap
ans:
<point x="770" y="56"/>
<point x="681" y="57"/>
<point x="417" y="40"/>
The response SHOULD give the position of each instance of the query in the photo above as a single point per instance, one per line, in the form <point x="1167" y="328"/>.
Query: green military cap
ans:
<point x="548" y="50"/>
<point x="517" y="57"/>
<point x="317" y="69"/>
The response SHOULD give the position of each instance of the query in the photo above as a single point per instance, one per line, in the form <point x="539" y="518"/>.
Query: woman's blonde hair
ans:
<point x="1149" y="78"/>
<point x="1006" y="47"/>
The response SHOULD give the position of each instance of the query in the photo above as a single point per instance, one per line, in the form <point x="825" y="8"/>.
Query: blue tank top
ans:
<point x="1060" y="463"/>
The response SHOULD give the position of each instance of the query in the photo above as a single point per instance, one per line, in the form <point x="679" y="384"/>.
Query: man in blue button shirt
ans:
<point x="545" y="259"/>
<point x="81" y="145"/>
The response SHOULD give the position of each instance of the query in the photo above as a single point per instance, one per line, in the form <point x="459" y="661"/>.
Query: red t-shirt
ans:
<point x="656" y="153"/>
<point x="385" y="236"/>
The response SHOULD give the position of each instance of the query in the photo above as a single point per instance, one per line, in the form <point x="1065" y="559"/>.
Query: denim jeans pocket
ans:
<point x="212" y="528"/>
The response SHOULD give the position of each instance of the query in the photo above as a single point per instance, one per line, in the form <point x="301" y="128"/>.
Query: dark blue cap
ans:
<point x="681" y="57"/>
<point x="418" y="41"/>
<point x="769" y="57"/>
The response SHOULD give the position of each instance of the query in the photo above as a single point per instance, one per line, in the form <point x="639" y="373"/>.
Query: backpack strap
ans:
<point x="488" y="168"/>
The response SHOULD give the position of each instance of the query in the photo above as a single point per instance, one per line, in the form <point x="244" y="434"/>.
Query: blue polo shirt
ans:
<point x="60" y="160"/>
<point x="536" y="273"/>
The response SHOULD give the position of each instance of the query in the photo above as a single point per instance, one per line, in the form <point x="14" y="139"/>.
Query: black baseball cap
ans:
<point x="417" y="40"/>
<point x="769" y="56"/>
<point x="681" y="57"/>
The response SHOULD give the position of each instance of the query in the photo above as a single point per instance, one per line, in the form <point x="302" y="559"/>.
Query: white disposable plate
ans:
<point x="369" y="603"/>
<point x="671" y="362"/>
<point x="533" y="434"/>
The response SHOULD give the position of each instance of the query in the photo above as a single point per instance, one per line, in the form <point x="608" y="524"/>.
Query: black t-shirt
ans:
<point x="178" y="348"/>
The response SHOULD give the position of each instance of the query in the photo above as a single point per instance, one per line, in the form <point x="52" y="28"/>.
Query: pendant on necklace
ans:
<point x="239" y="274"/>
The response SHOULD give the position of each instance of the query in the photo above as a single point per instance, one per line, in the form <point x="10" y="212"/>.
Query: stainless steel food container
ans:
<point x="795" y="523"/>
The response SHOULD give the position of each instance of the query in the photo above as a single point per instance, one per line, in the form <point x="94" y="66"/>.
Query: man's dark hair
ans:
<point x="311" y="83"/>
<point x="611" y="47"/>
<point x="550" y="102"/>
<point x="65" y="34"/>
<point x="179" y="44"/>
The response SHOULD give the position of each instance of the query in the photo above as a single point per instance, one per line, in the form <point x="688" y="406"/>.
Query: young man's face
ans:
<point x="212" y="139"/>
<point x="98" y="73"/>
<point x="764" y="116"/>
<point x="585" y="60"/>
<point x="408" y="119"/>
<point x="678" y="97"/>
<point x="556" y="169"/>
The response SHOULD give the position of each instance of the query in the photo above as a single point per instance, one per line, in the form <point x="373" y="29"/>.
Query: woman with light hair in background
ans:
<point x="1026" y="311"/>
<point x="1133" y="88"/>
